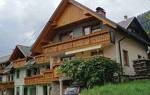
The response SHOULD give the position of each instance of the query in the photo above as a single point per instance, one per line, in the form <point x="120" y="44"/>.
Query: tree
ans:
<point x="96" y="70"/>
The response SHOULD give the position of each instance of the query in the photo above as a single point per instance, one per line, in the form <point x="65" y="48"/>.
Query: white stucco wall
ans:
<point x="134" y="49"/>
<point x="19" y="82"/>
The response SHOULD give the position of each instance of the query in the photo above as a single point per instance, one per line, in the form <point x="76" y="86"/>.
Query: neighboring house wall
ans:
<point x="134" y="49"/>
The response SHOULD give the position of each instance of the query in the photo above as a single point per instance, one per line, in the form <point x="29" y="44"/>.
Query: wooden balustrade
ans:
<point x="46" y="77"/>
<point x="102" y="37"/>
<point x="41" y="59"/>
<point x="7" y="85"/>
<point x="19" y="63"/>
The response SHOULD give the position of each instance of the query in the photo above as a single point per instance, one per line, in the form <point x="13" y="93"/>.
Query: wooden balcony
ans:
<point x="7" y="85"/>
<point x="19" y="63"/>
<point x="41" y="59"/>
<point x="44" y="78"/>
<point x="102" y="37"/>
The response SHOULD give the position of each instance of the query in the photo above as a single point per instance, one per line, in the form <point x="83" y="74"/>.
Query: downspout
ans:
<point x="120" y="54"/>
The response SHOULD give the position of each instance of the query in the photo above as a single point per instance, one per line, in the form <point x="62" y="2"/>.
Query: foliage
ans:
<point x="90" y="72"/>
<point x="148" y="16"/>
<point x="144" y="20"/>
<point x="140" y="87"/>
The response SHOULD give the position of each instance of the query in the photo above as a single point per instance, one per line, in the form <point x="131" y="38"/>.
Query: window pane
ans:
<point x="126" y="58"/>
<point x="18" y="73"/>
<point x="87" y="30"/>
<point x="96" y="28"/>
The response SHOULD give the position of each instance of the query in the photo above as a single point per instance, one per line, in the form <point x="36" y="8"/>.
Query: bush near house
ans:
<point x="139" y="87"/>
<point x="95" y="71"/>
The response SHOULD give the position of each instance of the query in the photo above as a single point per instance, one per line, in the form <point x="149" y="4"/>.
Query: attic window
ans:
<point x="87" y="30"/>
<point x="66" y="35"/>
<point x="96" y="27"/>
<point x="131" y="30"/>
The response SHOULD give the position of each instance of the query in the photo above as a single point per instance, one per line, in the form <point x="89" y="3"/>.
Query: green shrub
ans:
<point x="97" y="70"/>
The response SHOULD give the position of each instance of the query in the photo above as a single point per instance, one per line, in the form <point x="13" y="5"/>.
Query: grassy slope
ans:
<point x="141" y="87"/>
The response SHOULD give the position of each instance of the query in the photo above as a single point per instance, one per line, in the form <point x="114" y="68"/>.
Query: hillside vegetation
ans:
<point x="144" y="19"/>
<point x="140" y="87"/>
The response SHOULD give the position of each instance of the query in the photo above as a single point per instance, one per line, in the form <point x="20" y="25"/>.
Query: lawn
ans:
<point x="139" y="87"/>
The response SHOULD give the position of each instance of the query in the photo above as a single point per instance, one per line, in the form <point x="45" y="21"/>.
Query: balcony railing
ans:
<point x="7" y="85"/>
<point x="102" y="37"/>
<point x="47" y="77"/>
<point x="44" y="78"/>
<point x="41" y="59"/>
<point x="19" y="63"/>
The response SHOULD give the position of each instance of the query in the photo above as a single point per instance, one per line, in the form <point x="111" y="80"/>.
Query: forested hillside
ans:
<point x="145" y="21"/>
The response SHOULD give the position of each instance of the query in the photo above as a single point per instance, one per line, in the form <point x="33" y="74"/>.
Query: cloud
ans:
<point x="20" y="18"/>
<point x="2" y="3"/>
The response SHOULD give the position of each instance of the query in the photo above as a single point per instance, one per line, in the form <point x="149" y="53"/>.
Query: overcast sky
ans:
<point x="21" y="21"/>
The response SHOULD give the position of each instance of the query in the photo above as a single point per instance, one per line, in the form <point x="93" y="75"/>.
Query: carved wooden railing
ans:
<point x="102" y="37"/>
<point x="47" y="77"/>
<point x="41" y="59"/>
<point x="19" y="63"/>
<point x="7" y="85"/>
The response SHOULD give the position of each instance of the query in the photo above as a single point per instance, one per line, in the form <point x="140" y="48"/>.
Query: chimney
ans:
<point x="125" y="17"/>
<point x="101" y="11"/>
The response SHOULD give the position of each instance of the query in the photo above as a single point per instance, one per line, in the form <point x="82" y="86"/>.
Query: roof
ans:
<point x="25" y="50"/>
<point x="125" y="24"/>
<point x="4" y="59"/>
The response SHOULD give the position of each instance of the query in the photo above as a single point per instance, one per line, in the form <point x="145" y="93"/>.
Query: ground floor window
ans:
<point x="45" y="90"/>
<point x="25" y="91"/>
<point x="18" y="91"/>
<point x="126" y="57"/>
<point x="33" y="91"/>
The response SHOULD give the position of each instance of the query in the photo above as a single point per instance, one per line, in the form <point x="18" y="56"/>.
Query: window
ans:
<point x="86" y="30"/>
<point x="18" y="91"/>
<point x="45" y="90"/>
<point x="48" y="66"/>
<point x="25" y="91"/>
<point x="66" y="35"/>
<point x="97" y="53"/>
<point x="67" y="58"/>
<point x="112" y="36"/>
<point x="28" y="73"/>
<point x="36" y="71"/>
<point x="126" y="57"/>
<point x="17" y="73"/>
<point x="96" y="28"/>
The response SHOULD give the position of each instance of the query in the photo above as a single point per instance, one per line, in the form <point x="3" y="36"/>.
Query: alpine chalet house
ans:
<point x="75" y="31"/>
<point x="6" y="76"/>
<point x="31" y="76"/>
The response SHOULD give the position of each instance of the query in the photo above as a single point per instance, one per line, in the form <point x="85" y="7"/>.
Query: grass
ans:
<point x="139" y="87"/>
